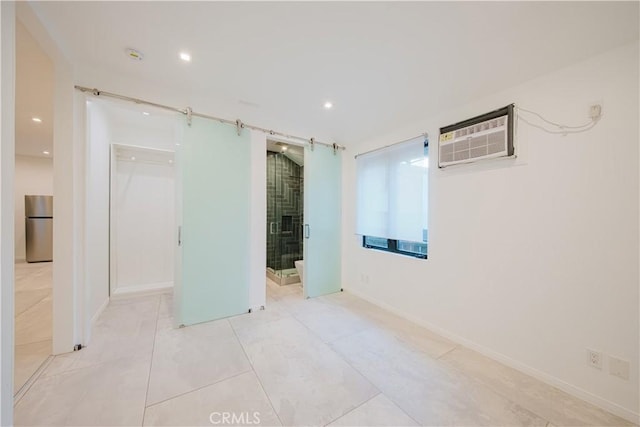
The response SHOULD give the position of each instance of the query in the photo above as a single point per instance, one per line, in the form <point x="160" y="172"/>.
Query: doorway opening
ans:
<point x="285" y="212"/>
<point x="142" y="220"/>
<point x="130" y="209"/>
<point x="33" y="333"/>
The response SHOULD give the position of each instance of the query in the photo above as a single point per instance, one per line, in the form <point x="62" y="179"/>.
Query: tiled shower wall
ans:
<point x="285" y="187"/>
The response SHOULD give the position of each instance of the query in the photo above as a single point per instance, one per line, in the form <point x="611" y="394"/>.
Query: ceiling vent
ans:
<point x="483" y="137"/>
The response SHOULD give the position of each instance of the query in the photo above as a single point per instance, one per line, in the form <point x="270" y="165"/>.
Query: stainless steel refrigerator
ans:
<point x="38" y="212"/>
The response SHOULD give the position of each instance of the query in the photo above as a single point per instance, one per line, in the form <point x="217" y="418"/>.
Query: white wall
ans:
<point x="7" y="152"/>
<point x="96" y="234"/>
<point x="534" y="260"/>
<point x="67" y="210"/>
<point x="143" y="225"/>
<point x="33" y="176"/>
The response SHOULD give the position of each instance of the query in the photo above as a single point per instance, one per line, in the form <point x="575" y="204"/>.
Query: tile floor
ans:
<point x="334" y="360"/>
<point x="33" y="322"/>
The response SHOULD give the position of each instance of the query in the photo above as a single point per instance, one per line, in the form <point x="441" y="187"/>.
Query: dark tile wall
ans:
<point x="285" y="185"/>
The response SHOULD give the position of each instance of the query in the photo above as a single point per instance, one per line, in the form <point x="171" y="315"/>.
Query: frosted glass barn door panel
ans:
<point x="322" y="217"/>
<point x="214" y="190"/>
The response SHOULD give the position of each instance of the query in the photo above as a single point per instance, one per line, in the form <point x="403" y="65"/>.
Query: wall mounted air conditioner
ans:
<point x="483" y="137"/>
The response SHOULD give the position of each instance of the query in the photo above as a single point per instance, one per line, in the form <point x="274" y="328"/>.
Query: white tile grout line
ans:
<point x="354" y="408"/>
<point x="34" y="304"/>
<point x="198" y="388"/>
<point x="256" y="374"/>
<point x="32" y="379"/>
<point x="447" y="352"/>
<point x="153" y="347"/>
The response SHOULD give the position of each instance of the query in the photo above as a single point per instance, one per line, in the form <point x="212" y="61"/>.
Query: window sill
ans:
<point x="402" y="254"/>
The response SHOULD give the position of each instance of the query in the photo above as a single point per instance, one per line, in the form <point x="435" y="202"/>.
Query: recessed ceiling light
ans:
<point x="133" y="157"/>
<point x="185" y="56"/>
<point x="328" y="105"/>
<point x="170" y="161"/>
<point x="46" y="152"/>
<point x="37" y="119"/>
<point x="144" y="113"/>
<point x="284" y="148"/>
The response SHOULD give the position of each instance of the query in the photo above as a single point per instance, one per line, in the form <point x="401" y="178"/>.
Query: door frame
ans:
<point x="290" y="142"/>
<point x="68" y="149"/>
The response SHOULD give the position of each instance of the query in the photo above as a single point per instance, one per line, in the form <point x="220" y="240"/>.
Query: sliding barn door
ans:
<point x="213" y="190"/>
<point x="322" y="217"/>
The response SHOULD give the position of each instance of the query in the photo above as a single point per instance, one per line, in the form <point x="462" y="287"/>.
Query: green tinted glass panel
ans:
<point x="213" y="193"/>
<point x="322" y="217"/>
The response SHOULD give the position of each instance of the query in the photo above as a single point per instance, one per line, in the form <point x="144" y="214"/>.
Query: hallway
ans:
<point x="335" y="360"/>
<point x="33" y="321"/>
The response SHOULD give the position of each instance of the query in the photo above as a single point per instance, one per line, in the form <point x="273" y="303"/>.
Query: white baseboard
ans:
<point x="257" y="308"/>
<point x="94" y="318"/>
<point x="142" y="290"/>
<point x="99" y="311"/>
<point x="578" y="392"/>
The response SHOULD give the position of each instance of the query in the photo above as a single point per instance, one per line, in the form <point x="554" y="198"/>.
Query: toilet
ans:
<point x="300" y="267"/>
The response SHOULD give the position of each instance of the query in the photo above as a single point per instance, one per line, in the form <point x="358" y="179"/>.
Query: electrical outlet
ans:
<point x="619" y="368"/>
<point x="595" y="111"/>
<point x="594" y="359"/>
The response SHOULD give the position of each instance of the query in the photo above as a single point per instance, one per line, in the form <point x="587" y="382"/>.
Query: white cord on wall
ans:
<point x="595" y="113"/>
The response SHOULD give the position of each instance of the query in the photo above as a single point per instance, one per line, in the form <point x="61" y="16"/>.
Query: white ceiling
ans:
<point x="293" y="152"/>
<point x="382" y="64"/>
<point x="34" y="96"/>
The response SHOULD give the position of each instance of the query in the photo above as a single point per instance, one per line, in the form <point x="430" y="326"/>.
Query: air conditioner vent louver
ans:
<point x="483" y="137"/>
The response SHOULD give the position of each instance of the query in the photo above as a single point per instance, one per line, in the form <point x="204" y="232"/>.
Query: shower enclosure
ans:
<point x="285" y="184"/>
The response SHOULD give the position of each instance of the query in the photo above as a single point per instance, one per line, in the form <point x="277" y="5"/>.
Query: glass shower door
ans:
<point x="273" y="241"/>
<point x="213" y="190"/>
<point x="284" y="218"/>
<point x="322" y="217"/>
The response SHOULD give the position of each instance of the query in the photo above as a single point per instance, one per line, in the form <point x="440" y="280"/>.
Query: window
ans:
<point x="392" y="186"/>
<point x="404" y="247"/>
